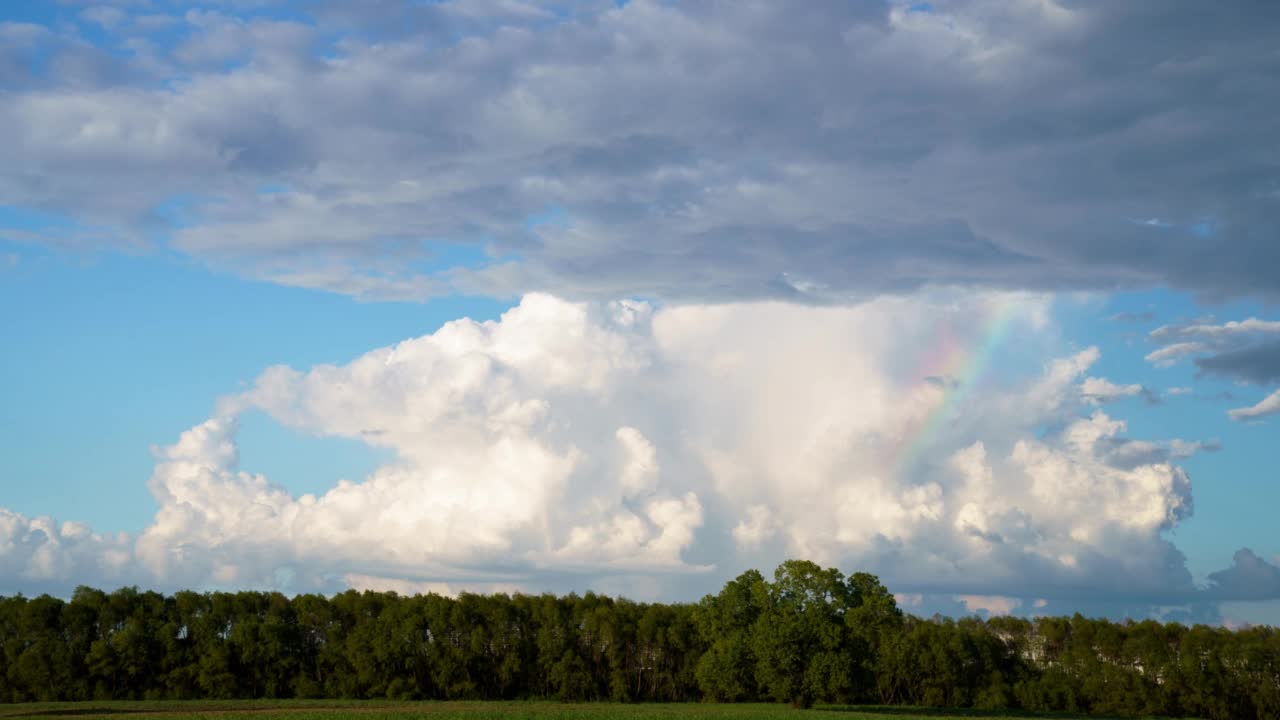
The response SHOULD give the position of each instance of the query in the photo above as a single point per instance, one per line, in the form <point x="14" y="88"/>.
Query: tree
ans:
<point x="726" y="671"/>
<point x="812" y="634"/>
<point x="801" y="640"/>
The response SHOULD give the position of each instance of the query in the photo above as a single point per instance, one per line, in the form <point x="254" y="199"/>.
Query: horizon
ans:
<point x="618" y="297"/>
<point x="981" y="614"/>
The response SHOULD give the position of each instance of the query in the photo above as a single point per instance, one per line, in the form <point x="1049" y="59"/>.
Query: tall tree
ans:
<point x="801" y="640"/>
<point x="726" y="671"/>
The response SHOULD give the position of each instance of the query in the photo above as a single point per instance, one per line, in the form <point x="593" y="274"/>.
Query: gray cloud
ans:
<point x="1258" y="363"/>
<point x="17" y="42"/>
<point x="1129" y="453"/>
<point x="714" y="151"/>
<point x="1099" y="391"/>
<point x="1249" y="578"/>
<point x="1132" y="317"/>
<point x="1247" y="351"/>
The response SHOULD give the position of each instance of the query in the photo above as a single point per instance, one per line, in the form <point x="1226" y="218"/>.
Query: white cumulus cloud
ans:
<point x="601" y="441"/>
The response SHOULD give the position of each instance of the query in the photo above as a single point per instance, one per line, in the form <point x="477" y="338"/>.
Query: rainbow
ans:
<point x="962" y="366"/>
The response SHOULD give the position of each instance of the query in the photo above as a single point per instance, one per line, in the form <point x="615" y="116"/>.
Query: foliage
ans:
<point x="465" y="710"/>
<point x="811" y="635"/>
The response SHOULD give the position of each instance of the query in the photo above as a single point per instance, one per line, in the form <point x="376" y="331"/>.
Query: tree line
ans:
<point x="809" y="635"/>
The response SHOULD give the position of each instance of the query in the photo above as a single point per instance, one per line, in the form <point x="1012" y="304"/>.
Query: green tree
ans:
<point x="726" y="671"/>
<point x="801" y="640"/>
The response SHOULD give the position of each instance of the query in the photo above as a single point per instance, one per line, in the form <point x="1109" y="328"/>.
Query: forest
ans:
<point x="809" y="635"/>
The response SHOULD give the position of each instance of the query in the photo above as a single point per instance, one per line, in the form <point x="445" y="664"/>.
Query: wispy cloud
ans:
<point x="1266" y="407"/>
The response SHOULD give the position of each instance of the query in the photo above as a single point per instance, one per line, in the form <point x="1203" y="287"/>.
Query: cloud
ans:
<point x="1179" y="449"/>
<point x="1169" y="355"/>
<point x="17" y="42"/>
<point x="1249" y="578"/>
<point x="1257" y="364"/>
<point x="1247" y="351"/>
<point x="718" y="151"/>
<point x="757" y="527"/>
<point x="39" y="554"/>
<point x="660" y="449"/>
<point x="410" y="587"/>
<point x="1130" y="453"/>
<point x="1098" y="391"/>
<point x="1132" y="317"/>
<point x="989" y="604"/>
<point x="105" y="15"/>
<point x="1209" y="331"/>
<point x="1266" y="407"/>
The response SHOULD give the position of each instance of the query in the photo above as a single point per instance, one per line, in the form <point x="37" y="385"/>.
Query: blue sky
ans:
<point x="1232" y="485"/>
<point x="631" y="296"/>
<point x="171" y="337"/>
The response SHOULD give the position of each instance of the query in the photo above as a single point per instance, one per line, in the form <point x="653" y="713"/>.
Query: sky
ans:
<point x="976" y="295"/>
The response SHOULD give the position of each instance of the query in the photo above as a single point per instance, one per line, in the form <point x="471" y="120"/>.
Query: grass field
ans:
<point x="373" y="710"/>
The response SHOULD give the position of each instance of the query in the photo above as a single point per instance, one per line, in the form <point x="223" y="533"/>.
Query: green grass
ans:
<point x="388" y="710"/>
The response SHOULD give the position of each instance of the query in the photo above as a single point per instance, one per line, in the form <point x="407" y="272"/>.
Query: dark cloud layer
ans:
<point x="1256" y="364"/>
<point x="714" y="150"/>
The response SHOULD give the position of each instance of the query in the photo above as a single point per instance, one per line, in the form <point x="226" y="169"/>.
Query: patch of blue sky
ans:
<point x="180" y="211"/>
<point x="301" y="462"/>
<point x="18" y="218"/>
<point x="326" y="41"/>
<point x="38" y="12"/>
<point x="63" y="19"/>
<point x="38" y="57"/>
<point x="553" y="215"/>
<point x="102" y="38"/>
<point x="20" y="226"/>
<point x="99" y="371"/>
<point x="912" y="6"/>
<point x="1232" y="495"/>
<point x="1204" y="228"/>
<point x="72" y="20"/>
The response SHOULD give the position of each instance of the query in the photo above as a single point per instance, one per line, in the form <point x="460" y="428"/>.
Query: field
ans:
<point x="339" y="710"/>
